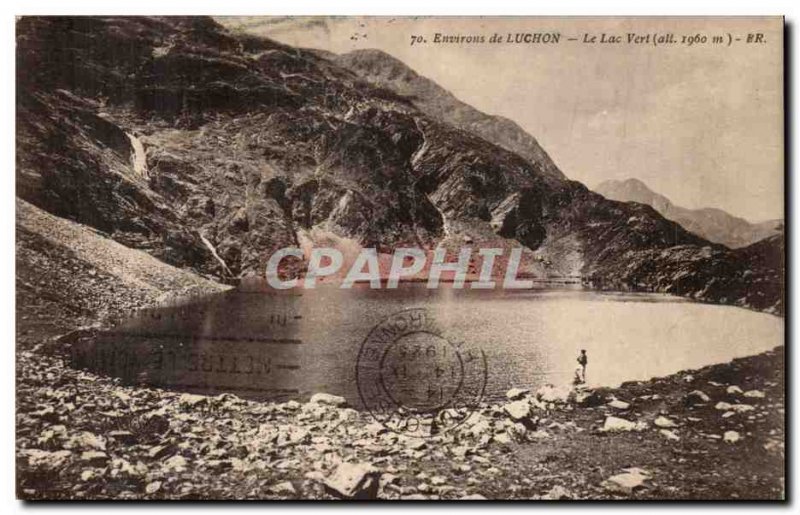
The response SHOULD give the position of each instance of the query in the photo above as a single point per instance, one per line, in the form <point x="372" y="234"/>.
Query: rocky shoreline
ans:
<point x="714" y="433"/>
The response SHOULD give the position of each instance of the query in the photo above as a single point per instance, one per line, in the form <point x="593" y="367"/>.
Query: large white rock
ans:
<point x="479" y="426"/>
<point x="550" y="393"/>
<point x="628" y="481"/>
<point x="616" y="424"/>
<point x="618" y="404"/>
<point x="731" y="437"/>
<point x="353" y="481"/>
<point x="664" y="422"/>
<point x="755" y="394"/>
<point x="518" y="410"/>
<point x="734" y="390"/>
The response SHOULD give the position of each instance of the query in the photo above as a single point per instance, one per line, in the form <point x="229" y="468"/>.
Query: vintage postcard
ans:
<point x="400" y="258"/>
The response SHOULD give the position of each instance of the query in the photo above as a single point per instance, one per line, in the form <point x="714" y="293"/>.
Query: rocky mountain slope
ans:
<point x="386" y="71"/>
<point x="249" y="144"/>
<point x="69" y="275"/>
<point x="712" y="224"/>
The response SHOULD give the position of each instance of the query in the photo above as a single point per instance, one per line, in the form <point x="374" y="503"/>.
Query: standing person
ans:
<point x="583" y="360"/>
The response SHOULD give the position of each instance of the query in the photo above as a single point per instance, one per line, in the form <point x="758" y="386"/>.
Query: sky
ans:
<point x="701" y="124"/>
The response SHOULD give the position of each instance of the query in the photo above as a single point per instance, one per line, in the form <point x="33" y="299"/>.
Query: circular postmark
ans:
<point x="415" y="378"/>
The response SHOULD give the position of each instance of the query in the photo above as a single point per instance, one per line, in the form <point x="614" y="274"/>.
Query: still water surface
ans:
<point x="277" y="346"/>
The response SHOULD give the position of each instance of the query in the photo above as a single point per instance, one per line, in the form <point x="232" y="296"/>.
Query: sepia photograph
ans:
<point x="400" y="258"/>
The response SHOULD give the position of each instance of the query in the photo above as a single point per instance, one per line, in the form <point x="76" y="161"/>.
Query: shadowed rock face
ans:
<point x="249" y="143"/>
<point x="712" y="224"/>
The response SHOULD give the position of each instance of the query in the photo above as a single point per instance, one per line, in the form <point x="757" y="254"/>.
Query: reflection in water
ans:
<point x="278" y="345"/>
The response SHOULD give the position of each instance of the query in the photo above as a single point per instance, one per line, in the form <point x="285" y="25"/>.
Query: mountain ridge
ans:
<point x="713" y="224"/>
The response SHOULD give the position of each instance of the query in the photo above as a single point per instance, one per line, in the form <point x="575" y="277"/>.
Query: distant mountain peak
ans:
<point x="711" y="223"/>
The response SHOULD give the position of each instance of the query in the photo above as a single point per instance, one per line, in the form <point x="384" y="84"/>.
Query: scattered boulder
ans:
<point x="590" y="398"/>
<point x="516" y="394"/>
<point x="284" y="488"/>
<point x="86" y="440"/>
<point x="353" y="481"/>
<point x="696" y="397"/>
<point x="502" y="438"/>
<point x="664" y="422"/>
<point x="123" y="467"/>
<point x="176" y="463"/>
<point x="518" y="410"/>
<point x="375" y="428"/>
<point x="160" y="451"/>
<point x="670" y="435"/>
<point x="723" y="406"/>
<point x="124" y="437"/>
<point x="628" y="481"/>
<point x="616" y="424"/>
<point x="734" y="390"/>
<point x="618" y="404"/>
<point x="327" y="399"/>
<point x="46" y="460"/>
<point x="557" y="493"/>
<point x="473" y="497"/>
<point x="517" y="430"/>
<point x="94" y="458"/>
<point x="479" y="428"/>
<point x="189" y="400"/>
<point x="754" y="394"/>
<point x="463" y="468"/>
<point x="550" y="393"/>
<point x="438" y="480"/>
<point x="291" y="405"/>
<point x="731" y="437"/>
<point x="387" y="481"/>
<point x="152" y="488"/>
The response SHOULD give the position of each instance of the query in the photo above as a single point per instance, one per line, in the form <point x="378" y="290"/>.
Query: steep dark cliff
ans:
<point x="251" y="144"/>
